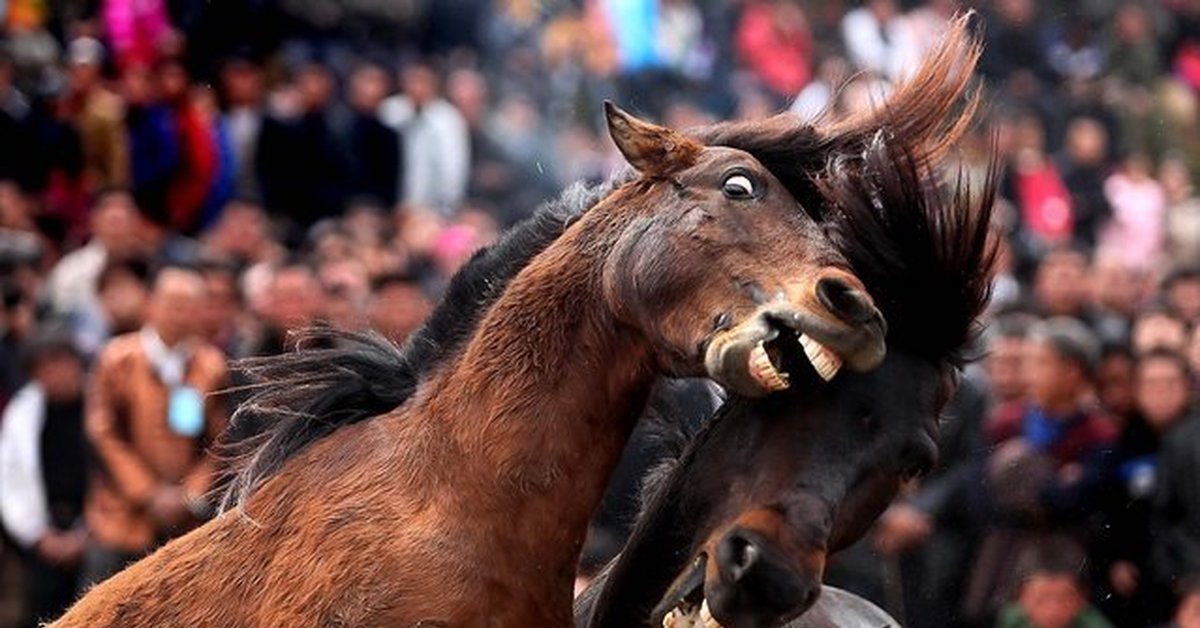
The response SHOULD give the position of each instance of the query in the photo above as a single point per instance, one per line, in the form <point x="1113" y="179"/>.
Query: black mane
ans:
<point x="922" y="251"/>
<point x="301" y="396"/>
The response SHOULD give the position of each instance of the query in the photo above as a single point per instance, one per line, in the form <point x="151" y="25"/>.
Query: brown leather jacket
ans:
<point x="126" y="422"/>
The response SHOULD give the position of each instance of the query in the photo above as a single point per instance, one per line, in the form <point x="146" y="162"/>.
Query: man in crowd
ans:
<point x="42" y="473"/>
<point x="150" y="418"/>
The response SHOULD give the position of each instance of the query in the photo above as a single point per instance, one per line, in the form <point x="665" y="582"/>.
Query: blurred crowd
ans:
<point x="184" y="181"/>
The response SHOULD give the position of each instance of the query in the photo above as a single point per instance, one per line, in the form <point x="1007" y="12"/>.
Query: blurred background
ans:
<point x="184" y="181"/>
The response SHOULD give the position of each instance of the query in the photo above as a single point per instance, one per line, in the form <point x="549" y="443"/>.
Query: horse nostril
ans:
<point x="738" y="554"/>
<point x="845" y="301"/>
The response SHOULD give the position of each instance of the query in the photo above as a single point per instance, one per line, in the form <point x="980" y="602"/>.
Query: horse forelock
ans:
<point x="336" y="378"/>
<point x="921" y="248"/>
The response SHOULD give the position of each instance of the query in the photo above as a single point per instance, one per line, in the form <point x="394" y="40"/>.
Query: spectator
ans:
<point x="436" y="142"/>
<point x="774" y="40"/>
<point x="1181" y="292"/>
<point x="196" y="171"/>
<point x="138" y="30"/>
<point x="42" y="474"/>
<point x="1187" y="613"/>
<point x="149" y="418"/>
<point x="114" y="220"/>
<point x="1129" y="593"/>
<point x="373" y="147"/>
<point x="154" y="150"/>
<point x="880" y="39"/>
<point x="1043" y="477"/>
<point x="1135" y="230"/>
<point x="1033" y="182"/>
<point x="398" y="307"/>
<point x="242" y="91"/>
<point x="1158" y="329"/>
<point x="123" y="288"/>
<point x="98" y="115"/>
<point x="1060" y="285"/>
<point x="1084" y="172"/>
<point x="1117" y="290"/>
<point x="1183" y="213"/>
<point x="1052" y="596"/>
<point x="293" y="301"/>
<point x="1115" y="383"/>
<point x="1175" y="518"/>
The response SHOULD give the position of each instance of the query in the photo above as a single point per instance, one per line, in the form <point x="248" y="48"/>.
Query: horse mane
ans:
<point x="927" y="113"/>
<point x="871" y="177"/>
<point x="336" y="378"/>
<point x="924" y="252"/>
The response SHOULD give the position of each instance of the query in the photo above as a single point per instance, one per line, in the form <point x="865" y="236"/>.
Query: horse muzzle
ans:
<point x="834" y="325"/>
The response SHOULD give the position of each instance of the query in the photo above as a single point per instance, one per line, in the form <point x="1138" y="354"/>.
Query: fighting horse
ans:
<point x="737" y="533"/>
<point x="467" y="504"/>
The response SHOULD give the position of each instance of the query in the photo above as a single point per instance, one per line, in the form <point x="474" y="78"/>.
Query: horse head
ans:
<point x="722" y="274"/>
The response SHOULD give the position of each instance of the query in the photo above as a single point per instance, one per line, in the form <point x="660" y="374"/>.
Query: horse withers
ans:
<point x="740" y="529"/>
<point x="468" y="503"/>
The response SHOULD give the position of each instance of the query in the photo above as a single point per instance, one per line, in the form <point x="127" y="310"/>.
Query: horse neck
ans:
<point x="545" y="395"/>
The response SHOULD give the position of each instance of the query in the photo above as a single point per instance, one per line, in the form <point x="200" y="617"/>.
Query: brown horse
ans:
<point x="744" y="522"/>
<point x="467" y="505"/>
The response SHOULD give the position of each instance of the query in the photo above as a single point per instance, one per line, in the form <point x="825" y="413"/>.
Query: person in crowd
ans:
<point x="436" y="142"/>
<point x="123" y="288"/>
<point x="1181" y="293"/>
<point x="1043" y="476"/>
<point x="372" y="146"/>
<point x="293" y="300"/>
<point x="1084" y="171"/>
<point x="115" y="225"/>
<point x="880" y="39"/>
<point x="1118" y="289"/>
<point x="1051" y="596"/>
<point x="154" y="148"/>
<point x="1060" y="286"/>
<point x="1128" y="592"/>
<point x="242" y="235"/>
<point x="241" y="89"/>
<point x="774" y="40"/>
<point x="1182" y="246"/>
<point x="1158" y="328"/>
<point x="196" y="170"/>
<point x="398" y="306"/>
<point x="1187" y="612"/>
<point x="1175" y="515"/>
<point x="43" y="475"/>
<point x="99" y="116"/>
<point x="150" y="415"/>
<point x="1115" y="383"/>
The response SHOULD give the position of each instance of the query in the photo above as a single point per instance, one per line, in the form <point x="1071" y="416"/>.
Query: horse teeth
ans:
<point x="765" y="372"/>
<point x="825" y="362"/>
<point x="695" y="618"/>
<point x="706" y="618"/>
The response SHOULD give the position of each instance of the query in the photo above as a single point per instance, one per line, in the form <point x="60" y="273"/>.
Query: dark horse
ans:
<point x="468" y="503"/>
<point x="741" y="527"/>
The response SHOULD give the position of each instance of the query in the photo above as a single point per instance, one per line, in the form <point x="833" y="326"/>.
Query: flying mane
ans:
<point x="872" y="179"/>
<point x="301" y="396"/>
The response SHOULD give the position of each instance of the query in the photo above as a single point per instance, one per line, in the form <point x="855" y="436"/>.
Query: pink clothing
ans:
<point x="1045" y="203"/>
<point x="1135" y="231"/>
<point x="782" y="59"/>
<point x="136" y="29"/>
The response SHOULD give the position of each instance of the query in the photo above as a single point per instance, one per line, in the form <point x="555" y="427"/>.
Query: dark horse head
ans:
<point x="744" y="521"/>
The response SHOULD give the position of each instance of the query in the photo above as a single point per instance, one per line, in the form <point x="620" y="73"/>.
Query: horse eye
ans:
<point x="738" y="186"/>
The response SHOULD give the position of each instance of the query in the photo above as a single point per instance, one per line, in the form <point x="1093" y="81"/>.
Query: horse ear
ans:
<point x="653" y="150"/>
